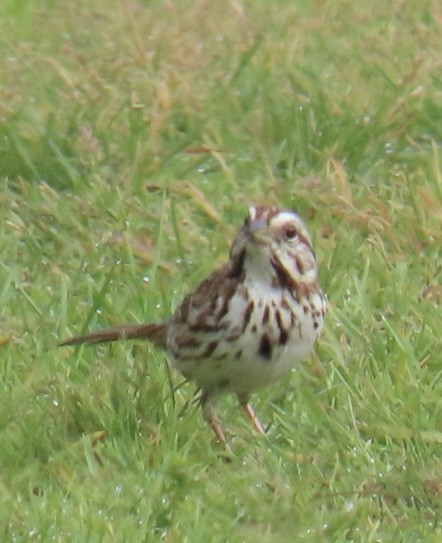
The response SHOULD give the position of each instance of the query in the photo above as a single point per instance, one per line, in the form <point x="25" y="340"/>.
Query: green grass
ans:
<point x="133" y="136"/>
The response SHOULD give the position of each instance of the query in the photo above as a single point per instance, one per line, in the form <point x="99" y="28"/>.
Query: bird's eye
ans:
<point x="290" y="232"/>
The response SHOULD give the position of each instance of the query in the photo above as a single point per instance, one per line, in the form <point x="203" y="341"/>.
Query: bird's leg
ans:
<point x="250" y="412"/>
<point x="216" y="427"/>
<point x="210" y="414"/>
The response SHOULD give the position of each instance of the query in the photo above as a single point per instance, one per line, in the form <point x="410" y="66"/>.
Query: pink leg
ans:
<point x="216" y="427"/>
<point x="208" y="404"/>
<point x="250" y="412"/>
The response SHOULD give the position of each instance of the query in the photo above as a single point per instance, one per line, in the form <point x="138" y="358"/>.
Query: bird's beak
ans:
<point x="258" y="230"/>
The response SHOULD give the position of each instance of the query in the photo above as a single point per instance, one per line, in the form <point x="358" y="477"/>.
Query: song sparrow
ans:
<point x="248" y="323"/>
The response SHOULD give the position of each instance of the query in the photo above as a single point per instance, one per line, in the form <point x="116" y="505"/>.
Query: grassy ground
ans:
<point x="133" y="136"/>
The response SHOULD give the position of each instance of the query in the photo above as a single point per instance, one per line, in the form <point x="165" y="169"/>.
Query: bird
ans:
<point x="247" y="324"/>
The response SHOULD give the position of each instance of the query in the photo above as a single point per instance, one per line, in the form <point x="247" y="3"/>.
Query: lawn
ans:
<point x="133" y="137"/>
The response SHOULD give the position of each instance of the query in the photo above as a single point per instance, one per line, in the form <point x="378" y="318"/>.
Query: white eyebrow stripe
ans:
<point x="285" y="216"/>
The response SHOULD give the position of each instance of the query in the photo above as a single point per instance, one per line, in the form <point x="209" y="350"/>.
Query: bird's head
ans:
<point x="274" y="244"/>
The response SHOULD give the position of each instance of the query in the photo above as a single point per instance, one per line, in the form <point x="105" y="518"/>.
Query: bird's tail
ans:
<point x="155" y="332"/>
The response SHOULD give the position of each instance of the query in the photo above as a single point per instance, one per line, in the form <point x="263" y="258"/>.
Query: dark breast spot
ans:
<point x="265" y="348"/>
<point x="247" y="314"/>
<point x="266" y="315"/>
<point x="283" y="336"/>
<point x="208" y="351"/>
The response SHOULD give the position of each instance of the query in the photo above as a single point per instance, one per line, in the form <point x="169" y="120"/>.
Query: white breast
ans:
<point x="243" y="359"/>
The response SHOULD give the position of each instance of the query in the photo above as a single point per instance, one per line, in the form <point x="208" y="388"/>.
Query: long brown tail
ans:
<point x="153" y="331"/>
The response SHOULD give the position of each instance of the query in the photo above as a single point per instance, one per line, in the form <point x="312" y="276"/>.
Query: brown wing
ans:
<point x="198" y="325"/>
